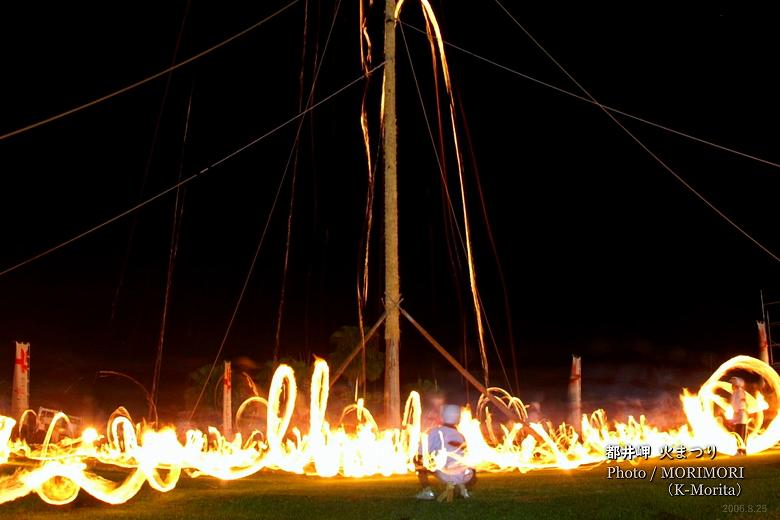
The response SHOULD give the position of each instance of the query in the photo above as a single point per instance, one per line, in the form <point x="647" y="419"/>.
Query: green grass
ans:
<point x="577" y="494"/>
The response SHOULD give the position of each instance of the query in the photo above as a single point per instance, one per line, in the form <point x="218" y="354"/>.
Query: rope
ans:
<point x="368" y="216"/>
<point x="499" y="267"/>
<point x="452" y="210"/>
<point x="452" y="220"/>
<point x="640" y="143"/>
<point x="442" y="174"/>
<point x="178" y="214"/>
<point x="607" y="107"/>
<point x="467" y="246"/>
<point x="260" y="242"/>
<point x="512" y="389"/>
<point x="362" y="290"/>
<point x="301" y="78"/>
<point x="147" y="168"/>
<point x="184" y="181"/>
<point x="293" y="154"/>
<point x="153" y="77"/>
<point x="240" y="295"/>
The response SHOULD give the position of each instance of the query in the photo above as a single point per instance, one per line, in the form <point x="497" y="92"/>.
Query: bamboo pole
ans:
<point x="392" y="391"/>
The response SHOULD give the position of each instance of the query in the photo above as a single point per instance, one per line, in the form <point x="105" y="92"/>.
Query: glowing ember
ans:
<point x="58" y="471"/>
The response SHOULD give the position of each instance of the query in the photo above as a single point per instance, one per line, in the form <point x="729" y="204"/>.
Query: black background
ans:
<point x="604" y="252"/>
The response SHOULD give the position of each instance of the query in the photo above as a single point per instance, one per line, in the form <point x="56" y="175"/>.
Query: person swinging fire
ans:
<point x="454" y="473"/>
<point x="740" y="417"/>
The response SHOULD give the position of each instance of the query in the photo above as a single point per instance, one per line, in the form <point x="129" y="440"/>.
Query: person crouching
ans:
<point x="454" y="474"/>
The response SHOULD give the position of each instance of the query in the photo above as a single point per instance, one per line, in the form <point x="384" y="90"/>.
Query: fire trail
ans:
<point x="56" y="472"/>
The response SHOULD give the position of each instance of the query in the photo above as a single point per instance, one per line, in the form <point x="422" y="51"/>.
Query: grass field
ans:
<point x="578" y="494"/>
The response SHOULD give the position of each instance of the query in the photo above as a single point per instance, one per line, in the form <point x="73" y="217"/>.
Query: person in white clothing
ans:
<point x="453" y="473"/>
<point x="739" y="407"/>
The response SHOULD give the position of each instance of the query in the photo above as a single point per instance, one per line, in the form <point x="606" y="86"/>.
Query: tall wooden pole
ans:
<point x="392" y="393"/>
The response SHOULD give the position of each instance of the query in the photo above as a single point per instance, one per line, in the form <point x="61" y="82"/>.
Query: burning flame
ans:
<point x="56" y="472"/>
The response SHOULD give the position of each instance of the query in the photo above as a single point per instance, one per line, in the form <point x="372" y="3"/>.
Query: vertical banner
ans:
<point x="763" y="343"/>
<point x="575" y="393"/>
<point x="227" y="402"/>
<point x="20" y="398"/>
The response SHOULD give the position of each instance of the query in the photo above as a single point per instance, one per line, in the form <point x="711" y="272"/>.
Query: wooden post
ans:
<point x="20" y="399"/>
<point x="763" y="343"/>
<point x="392" y="392"/>
<point x="575" y="393"/>
<point x="227" y="402"/>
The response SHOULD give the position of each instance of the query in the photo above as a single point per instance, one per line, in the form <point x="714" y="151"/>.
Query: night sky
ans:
<point x="603" y="251"/>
